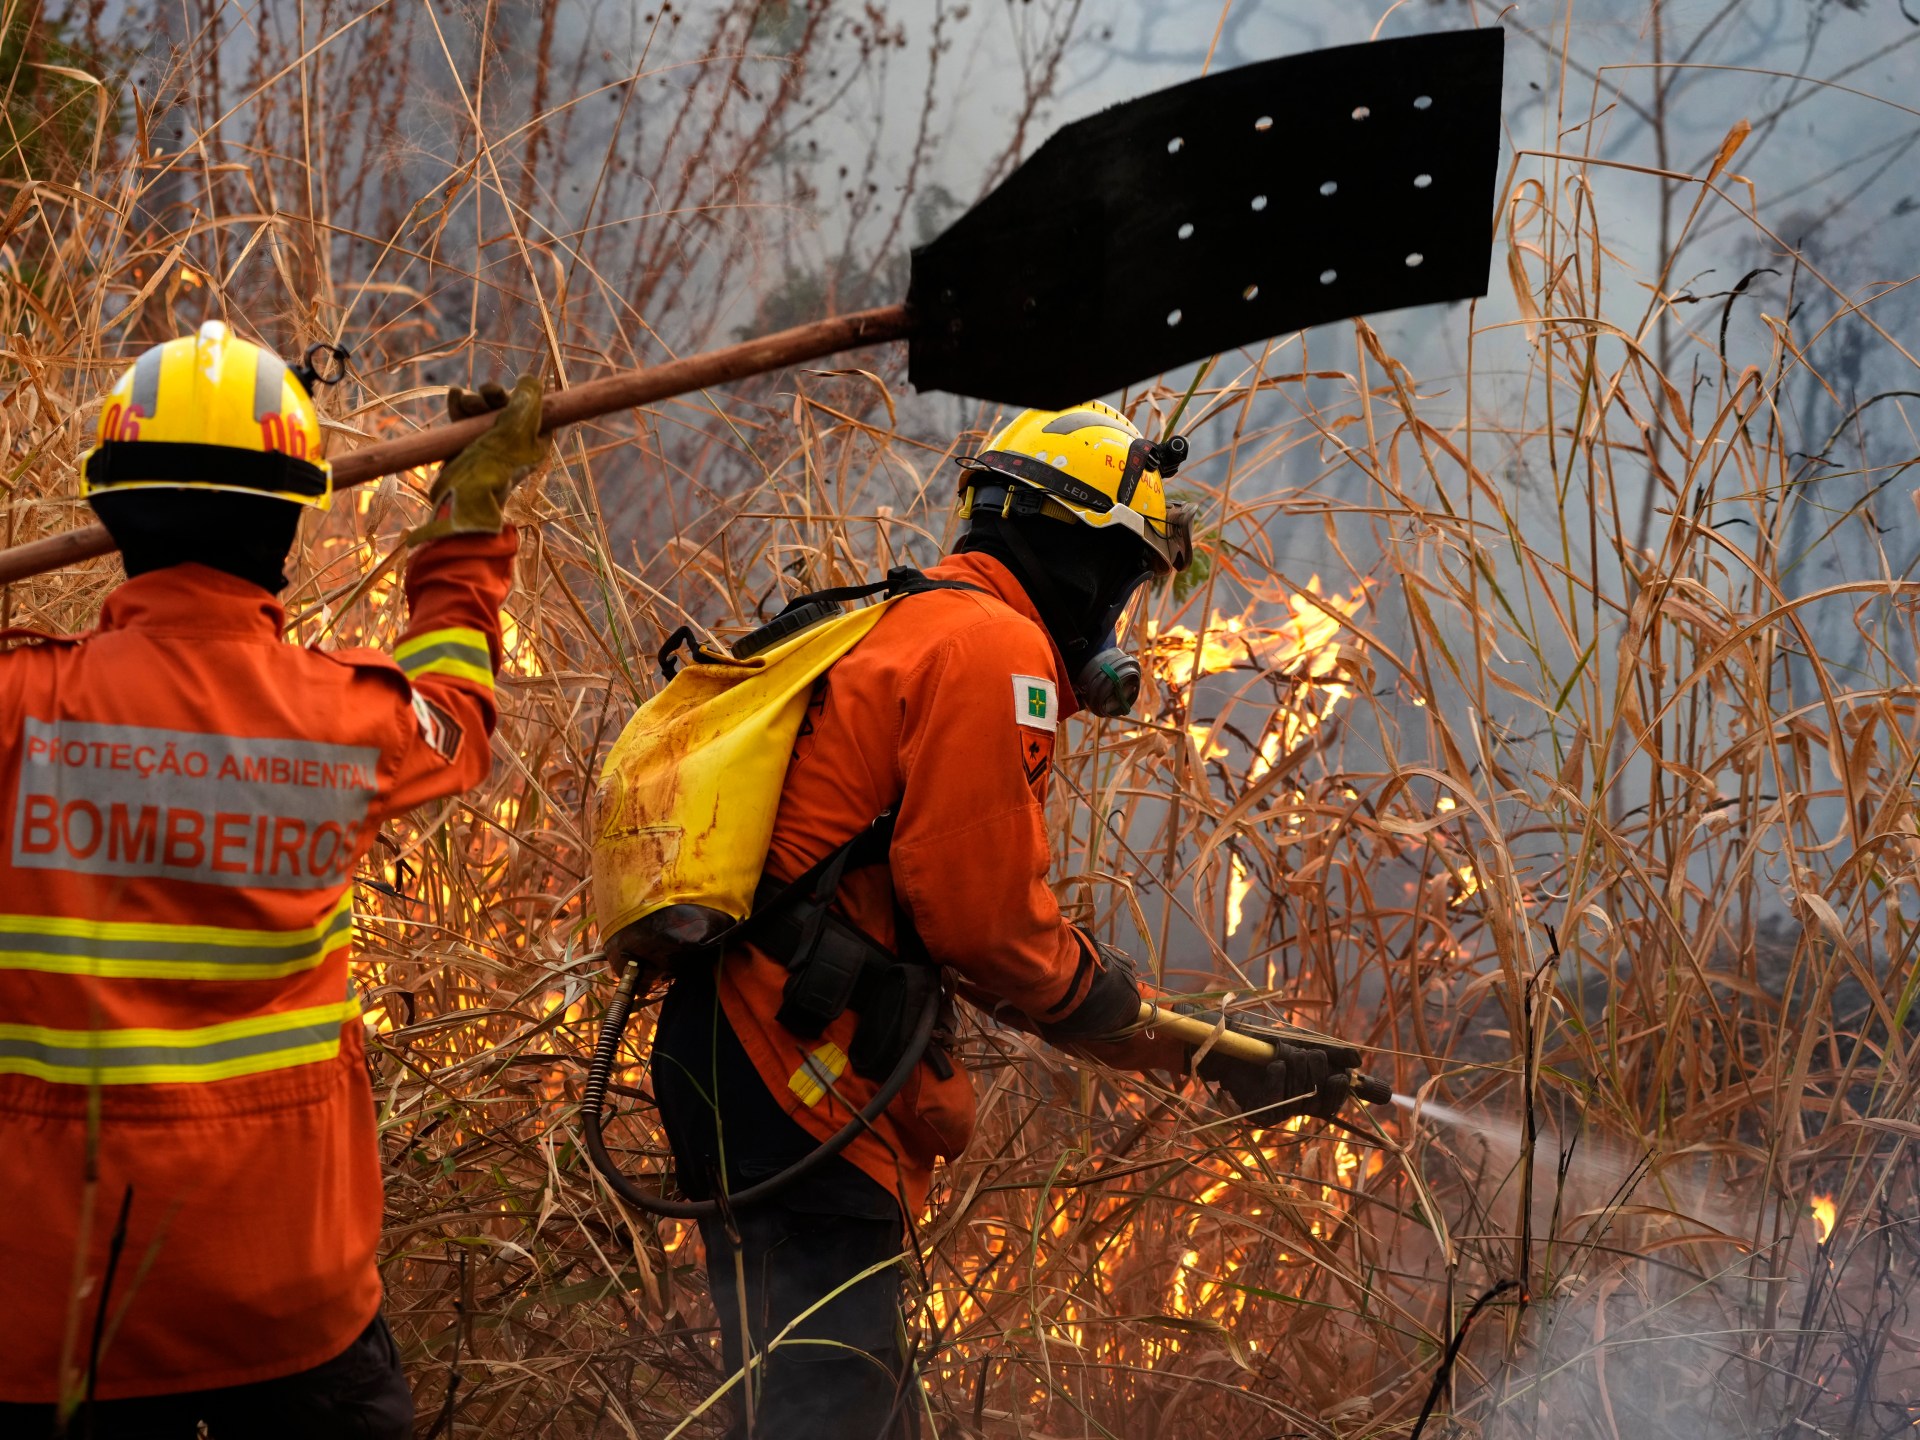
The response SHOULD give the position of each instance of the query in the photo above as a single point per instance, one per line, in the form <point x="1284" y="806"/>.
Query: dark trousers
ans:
<point x="841" y="1374"/>
<point x="360" y="1394"/>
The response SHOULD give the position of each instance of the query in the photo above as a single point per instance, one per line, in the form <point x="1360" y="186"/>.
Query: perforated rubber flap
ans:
<point x="1218" y="213"/>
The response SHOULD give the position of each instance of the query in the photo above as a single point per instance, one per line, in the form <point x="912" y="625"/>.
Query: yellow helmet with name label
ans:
<point x="209" y="412"/>
<point x="1088" y="465"/>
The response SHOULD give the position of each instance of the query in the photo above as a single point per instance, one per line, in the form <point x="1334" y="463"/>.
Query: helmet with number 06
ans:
<point x="209" y="412"/>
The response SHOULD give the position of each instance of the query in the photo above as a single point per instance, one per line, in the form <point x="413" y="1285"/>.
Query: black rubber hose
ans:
<point x="614" y="1025"/>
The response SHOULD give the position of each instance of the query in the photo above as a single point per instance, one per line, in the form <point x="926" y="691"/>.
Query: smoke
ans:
<point x="1664" y="1302"/>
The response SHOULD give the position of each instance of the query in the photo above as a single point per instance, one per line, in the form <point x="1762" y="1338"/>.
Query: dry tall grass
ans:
<point x="1555" y="787"/>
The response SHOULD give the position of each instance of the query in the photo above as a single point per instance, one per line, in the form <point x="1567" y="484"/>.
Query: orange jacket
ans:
<point x="948" y="711"/>
<point x="185" y="799"/>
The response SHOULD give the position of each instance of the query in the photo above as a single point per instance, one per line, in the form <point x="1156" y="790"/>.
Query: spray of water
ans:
<point x="1664" y="1331"/>
<point x="1504" y="1131"/>
<point x="1609" y="1172"/>
<point x="1504" y="1134"/>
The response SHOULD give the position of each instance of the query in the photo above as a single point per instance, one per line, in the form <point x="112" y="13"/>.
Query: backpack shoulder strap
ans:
<point x="901" y="580"/>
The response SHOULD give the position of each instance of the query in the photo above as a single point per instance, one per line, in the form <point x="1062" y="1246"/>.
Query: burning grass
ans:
<point x="1561" y="786"/>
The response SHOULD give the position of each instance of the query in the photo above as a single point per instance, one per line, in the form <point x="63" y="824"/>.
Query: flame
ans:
<point x="1239" y="883"/>
<point x="1267" y="757"/>
<point x="1469" y="887"/>
<point x="1205" y="746"/>
<point x="1302" y="645"/>
<point x="1346" y="1160"/>
<point x="1185" y="1299"/>
<point x="189" y="277"/>
<point x="517" y="649"/>
<point x="1823" y="1215"/>
<point x="556" y="1001"/>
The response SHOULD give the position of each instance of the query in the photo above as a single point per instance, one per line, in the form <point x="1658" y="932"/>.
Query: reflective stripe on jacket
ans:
<point x="184" y="801"/>
<point x="949" y="711"/>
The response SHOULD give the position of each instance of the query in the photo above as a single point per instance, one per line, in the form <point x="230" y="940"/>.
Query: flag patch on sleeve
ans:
<point x="1036" y="703"/>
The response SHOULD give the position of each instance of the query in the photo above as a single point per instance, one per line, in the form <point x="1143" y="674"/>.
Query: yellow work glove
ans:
<point x="474" y="484"/>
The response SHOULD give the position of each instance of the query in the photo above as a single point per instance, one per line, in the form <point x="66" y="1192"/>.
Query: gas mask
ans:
<point x="1106" y="680"/>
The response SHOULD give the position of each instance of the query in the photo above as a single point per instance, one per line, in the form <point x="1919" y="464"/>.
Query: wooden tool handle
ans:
<point x="563" y="407"/>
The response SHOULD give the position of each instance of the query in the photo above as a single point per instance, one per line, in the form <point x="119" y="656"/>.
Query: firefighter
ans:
<point x="186" y="1125"/>
<point x="945" y="715"/>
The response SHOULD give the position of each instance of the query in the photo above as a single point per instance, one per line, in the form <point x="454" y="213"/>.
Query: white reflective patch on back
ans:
<point x="277" y="814"/>
<point x="1036" y="703"/>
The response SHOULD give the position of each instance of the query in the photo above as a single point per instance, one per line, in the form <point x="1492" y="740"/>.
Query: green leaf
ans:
<point x="1195" y="575"/>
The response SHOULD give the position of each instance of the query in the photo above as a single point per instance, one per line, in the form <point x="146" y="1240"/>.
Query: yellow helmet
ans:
<point x="208" y="412"/>
<point x="1088" y="465"/>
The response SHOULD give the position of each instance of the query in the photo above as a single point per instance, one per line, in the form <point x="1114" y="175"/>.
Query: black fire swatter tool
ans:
<point x="1215" y="214"/>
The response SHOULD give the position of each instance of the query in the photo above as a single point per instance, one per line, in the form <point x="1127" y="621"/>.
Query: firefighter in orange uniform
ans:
<point x="945" y="715"/>
<point x="186" y="1126"/>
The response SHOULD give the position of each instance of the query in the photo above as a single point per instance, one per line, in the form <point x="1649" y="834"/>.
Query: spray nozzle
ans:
<point x="1370" y="1088"/>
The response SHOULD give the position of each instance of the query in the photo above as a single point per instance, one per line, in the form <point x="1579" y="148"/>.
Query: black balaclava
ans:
<point x="1080" y="580"/>
<point x="245" y="535"/>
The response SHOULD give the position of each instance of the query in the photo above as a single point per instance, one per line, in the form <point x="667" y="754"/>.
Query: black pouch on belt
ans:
<point x="845" y="969"/>
<point x="889" y="1004"/>
<point x="828" y="965"/>
<point x="834" y="966"/>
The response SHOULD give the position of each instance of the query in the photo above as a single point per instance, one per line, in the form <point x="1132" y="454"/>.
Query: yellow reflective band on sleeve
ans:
<point x="60" y="945"/>
<point x="817" y="1073"/>
<point x="457" y="652"/>
<point x="176" y="1057"/>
